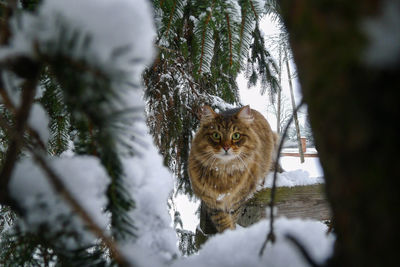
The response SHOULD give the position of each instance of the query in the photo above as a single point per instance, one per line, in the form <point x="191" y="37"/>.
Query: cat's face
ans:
<point x="227" y="136"/>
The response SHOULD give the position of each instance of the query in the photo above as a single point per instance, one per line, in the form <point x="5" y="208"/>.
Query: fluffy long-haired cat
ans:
<point x="231" y="154"/>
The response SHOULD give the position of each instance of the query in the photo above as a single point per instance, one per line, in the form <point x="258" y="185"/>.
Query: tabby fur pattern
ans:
<point x="231" y="154"/>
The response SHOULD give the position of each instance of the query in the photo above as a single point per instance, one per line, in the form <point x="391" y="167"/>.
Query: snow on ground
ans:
<point x="241" y="246"/>
<point x="296" y="173"/>
<point x="311" y="165"/>
<point x="292" y="178"/>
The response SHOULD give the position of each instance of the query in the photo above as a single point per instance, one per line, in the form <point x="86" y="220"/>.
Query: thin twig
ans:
<point x="271" y="234"/>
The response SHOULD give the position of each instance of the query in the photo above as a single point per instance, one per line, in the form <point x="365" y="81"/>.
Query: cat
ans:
<point x="230" y="156"/>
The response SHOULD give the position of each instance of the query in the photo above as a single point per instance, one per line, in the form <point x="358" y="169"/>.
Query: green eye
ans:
<point x="216" y="135"/>
<point x="236" y="136"/>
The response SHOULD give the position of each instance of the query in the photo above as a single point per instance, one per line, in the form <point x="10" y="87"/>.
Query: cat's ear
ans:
<point x="207" y="114"/>
<point x="245" y="114"/>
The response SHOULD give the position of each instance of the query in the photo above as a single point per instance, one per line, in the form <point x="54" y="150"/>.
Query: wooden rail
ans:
<point x="307" y="155"/>
<point x="306" y="202"/>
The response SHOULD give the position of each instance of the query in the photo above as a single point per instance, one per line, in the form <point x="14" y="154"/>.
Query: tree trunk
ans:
<point x="278" y="113"/>
<point x="353" y="110"/>
<point x="296" y="119"/>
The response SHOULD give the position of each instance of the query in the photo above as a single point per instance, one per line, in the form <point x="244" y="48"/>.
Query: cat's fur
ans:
<point x="225" y="171"/>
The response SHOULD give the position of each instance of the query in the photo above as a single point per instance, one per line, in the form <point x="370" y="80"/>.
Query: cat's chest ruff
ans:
<point x="231" y="168"/>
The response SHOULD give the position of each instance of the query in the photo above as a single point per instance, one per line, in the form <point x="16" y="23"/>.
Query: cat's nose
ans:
<point x="226" y="147"/>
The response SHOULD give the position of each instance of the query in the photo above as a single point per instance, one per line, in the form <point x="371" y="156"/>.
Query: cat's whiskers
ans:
<point x="205" y="156"/>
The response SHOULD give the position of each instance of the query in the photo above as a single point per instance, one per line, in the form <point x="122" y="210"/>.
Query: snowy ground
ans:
<point x="310" y="172"/>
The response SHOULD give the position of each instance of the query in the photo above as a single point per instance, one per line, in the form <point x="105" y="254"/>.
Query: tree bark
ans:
<point x="278" y="113"/>
<point x="353" y="110"/>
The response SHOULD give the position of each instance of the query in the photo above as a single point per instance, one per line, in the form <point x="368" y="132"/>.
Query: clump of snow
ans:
<point x="241" y="246"/>
<point x="151" y="184"/>
<point x="220" y="103"/>
<point x="292" y="178"/>
<point x="39" y="121"/>
<point x="383" y="32"/>
<point x="84" y="178"/>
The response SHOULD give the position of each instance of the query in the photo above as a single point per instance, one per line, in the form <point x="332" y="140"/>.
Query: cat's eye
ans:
<point x="236" y="136"/>
<point x="216" y="135"/>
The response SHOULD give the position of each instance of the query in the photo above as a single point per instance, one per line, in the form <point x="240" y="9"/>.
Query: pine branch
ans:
<point x="170" y="19"/>
<point x="245" y="33"/>
<point x="203" y="41"/>
<point x="230" y="39"/>
<point x="242" y="31"/>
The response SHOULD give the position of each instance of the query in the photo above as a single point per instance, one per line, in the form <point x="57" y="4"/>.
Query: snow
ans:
<point x="241" y="246"/>
<point x="296" y="173"/>
<point x="220" y="104"/>
<point x="39" y="121"/>
<point x="311" y="165"/>
<point x="292" y="178"/>
<point x="187" y="208"/>
<point x="383" y="32"/>
<point x="83" y="176"/>
<point x="150" y="184"/>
